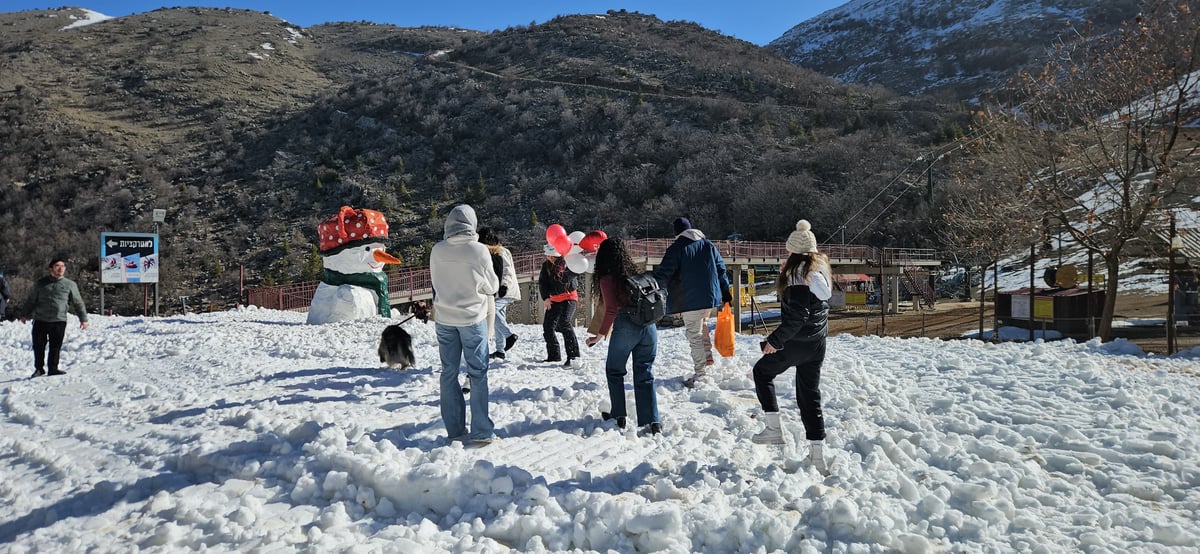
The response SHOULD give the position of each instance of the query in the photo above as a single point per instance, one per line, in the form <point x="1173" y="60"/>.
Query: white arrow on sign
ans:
<point x="111" y="243"/>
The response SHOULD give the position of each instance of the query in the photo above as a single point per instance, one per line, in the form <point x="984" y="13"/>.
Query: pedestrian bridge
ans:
<point x="407" y="285"/>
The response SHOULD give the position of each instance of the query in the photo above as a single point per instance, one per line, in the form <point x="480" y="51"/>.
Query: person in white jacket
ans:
<point x="460" y="270"/>
<point x="510" y="291"/>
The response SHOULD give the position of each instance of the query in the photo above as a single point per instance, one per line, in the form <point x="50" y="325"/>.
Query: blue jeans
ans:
<point x="467" y="344"/>
<point x="502" y="330"/>
<point x="626" y="339"/>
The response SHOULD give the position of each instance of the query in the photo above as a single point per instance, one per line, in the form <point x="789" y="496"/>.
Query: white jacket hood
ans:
<point x="460" y="269"/>
<point x="461" y="222"/>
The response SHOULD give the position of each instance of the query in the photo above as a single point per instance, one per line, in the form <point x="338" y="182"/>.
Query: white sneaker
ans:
<point x="769" y="436"/>
<point x="773" y="434"/>
<point x="697" y="380"/>
<point x="816" y="457"/>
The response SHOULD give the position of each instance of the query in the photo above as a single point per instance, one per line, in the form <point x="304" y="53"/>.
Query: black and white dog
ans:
<point x="395" y="347"/>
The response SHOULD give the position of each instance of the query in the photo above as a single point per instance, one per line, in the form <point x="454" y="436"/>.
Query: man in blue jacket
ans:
<point x="693" y="274"/>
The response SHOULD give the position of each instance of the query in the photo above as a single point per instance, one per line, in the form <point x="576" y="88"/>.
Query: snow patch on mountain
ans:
<point x="920" y="46"/>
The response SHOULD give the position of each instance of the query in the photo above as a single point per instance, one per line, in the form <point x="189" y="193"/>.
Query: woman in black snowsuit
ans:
<point x="799" y="341"/>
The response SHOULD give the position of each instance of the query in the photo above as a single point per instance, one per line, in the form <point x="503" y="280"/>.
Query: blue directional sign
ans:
<point x="128" y="258"/>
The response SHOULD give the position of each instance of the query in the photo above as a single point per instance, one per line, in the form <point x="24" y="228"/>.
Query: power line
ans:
<point x="877" y="195"/>
<point x="928" y="168"/>
<point x="958" y="145"/>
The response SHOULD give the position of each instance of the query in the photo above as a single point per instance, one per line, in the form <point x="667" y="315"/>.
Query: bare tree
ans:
<point x="985" y="219"/>
<point x="1095" y="140"/>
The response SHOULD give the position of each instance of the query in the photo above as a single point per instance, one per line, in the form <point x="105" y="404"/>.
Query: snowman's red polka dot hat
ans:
<point x="349" y="227"/>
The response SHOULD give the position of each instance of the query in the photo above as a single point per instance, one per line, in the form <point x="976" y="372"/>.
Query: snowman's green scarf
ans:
<point x="374" y="281"/>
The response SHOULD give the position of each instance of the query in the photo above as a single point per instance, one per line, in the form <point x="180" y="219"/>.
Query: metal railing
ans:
<point x="916" y="283"/>
<point x="413" y="283"/>
<point x="1149" y="337"/>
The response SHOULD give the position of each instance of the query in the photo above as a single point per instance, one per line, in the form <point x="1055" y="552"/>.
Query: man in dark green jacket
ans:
<point x="47" y="305"/>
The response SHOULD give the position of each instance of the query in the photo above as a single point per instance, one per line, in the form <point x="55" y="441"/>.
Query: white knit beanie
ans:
<point x="550" y="250"/>
<point x="802" y="240"/>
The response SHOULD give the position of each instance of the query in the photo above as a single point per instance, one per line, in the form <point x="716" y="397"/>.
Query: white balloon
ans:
<point x="576" y="236"/>
<point x="575" y="249"/>
<point x="577" y="263"/>
<point x="590" y="258"/>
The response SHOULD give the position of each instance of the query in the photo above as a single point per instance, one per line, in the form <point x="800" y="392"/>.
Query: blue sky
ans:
<point x="758" y="21"/>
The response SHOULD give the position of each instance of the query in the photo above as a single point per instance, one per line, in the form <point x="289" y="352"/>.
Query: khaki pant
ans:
<point x="695" y="328"/>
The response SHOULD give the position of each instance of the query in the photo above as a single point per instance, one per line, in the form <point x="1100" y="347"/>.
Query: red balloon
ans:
<point x="562" y="245"/>
<point x="555" y="232"/>
<point x="592" y="240"/>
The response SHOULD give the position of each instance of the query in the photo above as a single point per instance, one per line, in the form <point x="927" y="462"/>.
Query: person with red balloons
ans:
<point x="557" y="285"/>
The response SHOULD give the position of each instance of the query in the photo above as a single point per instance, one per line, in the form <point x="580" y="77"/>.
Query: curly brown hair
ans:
<point x="613" y="259"/>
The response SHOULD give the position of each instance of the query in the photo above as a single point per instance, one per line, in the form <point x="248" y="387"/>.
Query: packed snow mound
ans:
<point x="237" y="430"/>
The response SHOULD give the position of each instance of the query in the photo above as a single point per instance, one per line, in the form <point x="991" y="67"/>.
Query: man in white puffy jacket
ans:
<point x="460" y="269"/>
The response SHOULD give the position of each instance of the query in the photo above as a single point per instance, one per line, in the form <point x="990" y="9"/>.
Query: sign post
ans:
<point x="159" y="217"/>
<point x="128" y="258"/>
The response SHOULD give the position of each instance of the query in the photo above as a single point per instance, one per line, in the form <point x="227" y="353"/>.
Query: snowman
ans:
<point x="353" y="285"/>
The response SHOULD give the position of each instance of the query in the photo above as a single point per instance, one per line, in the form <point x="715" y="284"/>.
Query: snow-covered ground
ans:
<point x="249" y="430"/>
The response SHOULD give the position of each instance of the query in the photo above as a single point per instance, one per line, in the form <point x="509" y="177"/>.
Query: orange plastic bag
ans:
<point x="724" y="333"/>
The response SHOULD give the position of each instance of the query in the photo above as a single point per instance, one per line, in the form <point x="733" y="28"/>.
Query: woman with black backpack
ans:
<point x="627" y="338"/>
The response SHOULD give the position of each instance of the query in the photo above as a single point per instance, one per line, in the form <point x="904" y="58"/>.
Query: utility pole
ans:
<point x="882" y="303"/>
<point x="1171" y="239"/>
<point x="1091" y="274"/>
<point x="929" y="177"/>
<point x="995" y="296"/>
<point x="159" y="217"/>
<point x="1032" y="287"/>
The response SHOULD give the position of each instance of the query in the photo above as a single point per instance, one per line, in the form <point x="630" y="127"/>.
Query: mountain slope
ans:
<point x="957" y="47"/>
<point x="249" y="131"/>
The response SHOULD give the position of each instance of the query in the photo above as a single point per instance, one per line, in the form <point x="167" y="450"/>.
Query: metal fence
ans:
<point x="410" y="284"/>
<point x="1149" y="334"/>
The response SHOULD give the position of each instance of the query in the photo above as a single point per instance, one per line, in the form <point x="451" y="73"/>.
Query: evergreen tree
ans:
<point x="314" y="266"/>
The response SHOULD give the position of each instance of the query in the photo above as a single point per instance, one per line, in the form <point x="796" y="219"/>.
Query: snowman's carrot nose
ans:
<point x="385" y="258"/>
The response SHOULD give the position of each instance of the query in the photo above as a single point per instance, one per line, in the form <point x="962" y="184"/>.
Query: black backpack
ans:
<point x="647" y="303"/>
